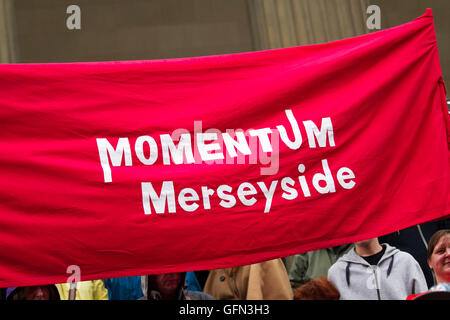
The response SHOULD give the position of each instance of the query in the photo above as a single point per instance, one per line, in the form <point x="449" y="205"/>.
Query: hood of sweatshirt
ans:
<point x="396" y="276"/>
<point x="353" y="257"/>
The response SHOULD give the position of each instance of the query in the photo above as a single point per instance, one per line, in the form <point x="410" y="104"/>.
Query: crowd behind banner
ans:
<point x="412" y="263"/>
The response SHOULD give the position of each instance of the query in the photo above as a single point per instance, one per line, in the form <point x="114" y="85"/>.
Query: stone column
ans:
<point x="287" y="23"/>
<point x="8" y="48"/>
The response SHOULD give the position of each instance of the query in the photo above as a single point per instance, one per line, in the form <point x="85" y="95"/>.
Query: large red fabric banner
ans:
<point x="143" y="167"/>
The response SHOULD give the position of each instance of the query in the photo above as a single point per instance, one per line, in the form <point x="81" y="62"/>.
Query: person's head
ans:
<point x="46" y="292"/>
<point x="366" y="243"/>
<point x="317" y="289"/>
<point x="168" y="284"/>
<point x="439" y="255"/>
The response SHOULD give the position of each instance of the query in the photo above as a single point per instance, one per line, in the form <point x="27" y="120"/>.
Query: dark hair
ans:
<point x="434" y="241"/>
<point x="317" y="289"/>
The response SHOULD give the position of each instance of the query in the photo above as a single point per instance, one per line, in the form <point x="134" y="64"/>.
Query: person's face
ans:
<point x="167" y="283"/>
<point x="37" y="293"/>
<point x="440" y="259"/>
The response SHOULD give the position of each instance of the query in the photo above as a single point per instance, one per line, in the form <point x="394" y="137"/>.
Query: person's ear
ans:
<point x="429" y="264"/>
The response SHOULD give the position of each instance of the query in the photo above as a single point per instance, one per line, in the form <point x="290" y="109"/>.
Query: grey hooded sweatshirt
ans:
<point x="396" y="276"/>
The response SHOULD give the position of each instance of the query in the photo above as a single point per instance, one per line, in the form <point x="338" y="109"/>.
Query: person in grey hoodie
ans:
<point x="374" y="271"/>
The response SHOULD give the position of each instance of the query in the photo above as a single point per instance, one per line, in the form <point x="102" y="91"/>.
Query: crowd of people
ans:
<point x="410" y="264"/>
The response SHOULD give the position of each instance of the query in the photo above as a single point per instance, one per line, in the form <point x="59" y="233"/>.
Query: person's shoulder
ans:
<point x="404" y="256"/>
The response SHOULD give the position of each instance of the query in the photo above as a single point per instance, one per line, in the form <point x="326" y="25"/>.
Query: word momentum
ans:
<point x="210" y="146"/>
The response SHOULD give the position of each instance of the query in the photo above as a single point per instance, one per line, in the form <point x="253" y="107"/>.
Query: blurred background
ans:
<point x="36" y="30"/>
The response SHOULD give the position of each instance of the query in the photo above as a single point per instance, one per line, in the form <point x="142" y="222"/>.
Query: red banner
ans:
<point x="141" y="167"/>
